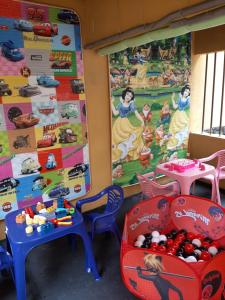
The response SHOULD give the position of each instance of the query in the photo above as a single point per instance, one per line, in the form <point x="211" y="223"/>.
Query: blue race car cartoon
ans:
<point x="10" y="51"/>
<point x="23" y="25"/>
<point x="68" y="16"/>
<point x="59" y="191"/>
<point x="47" y="81"/>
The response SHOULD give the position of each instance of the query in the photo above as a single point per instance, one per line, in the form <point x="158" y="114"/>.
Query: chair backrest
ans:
<point x="149" y="187"/>
<point x="5" y="259"/>
<point x="221" y="160"/>
<point x="115" y="198"/>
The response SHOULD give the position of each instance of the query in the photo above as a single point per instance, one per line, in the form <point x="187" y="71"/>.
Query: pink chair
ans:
<point x="220" y="170"/>
<point x="150" y="187"/>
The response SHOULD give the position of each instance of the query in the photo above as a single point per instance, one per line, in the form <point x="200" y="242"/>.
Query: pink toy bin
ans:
<point x="153" y="275"/>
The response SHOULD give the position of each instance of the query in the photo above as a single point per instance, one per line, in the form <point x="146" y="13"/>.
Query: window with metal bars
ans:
<point x="213" y="118"/>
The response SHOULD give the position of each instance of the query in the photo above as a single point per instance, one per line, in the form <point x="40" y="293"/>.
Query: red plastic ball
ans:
<point x="191" y="236"/>
<point x="189" y="248"/>
<point x="169" y="242"/>
<point x="215" y="244"/>
<point x="161" y="249"/>
<point x="205" y="255"/>
<point x="205" y="244"/>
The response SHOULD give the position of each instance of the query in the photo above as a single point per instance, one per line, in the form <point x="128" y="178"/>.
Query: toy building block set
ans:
<point x="174" y="249"/>
<point x="45" y="217"/>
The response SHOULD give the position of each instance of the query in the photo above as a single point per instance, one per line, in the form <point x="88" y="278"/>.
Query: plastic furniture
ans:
<point x="186" y="178"/>
<point x="219" y="169"/>
<point x="105" y="221"/>
<point x="151" y="188"/>
<point x="5" y="260"/>
<point x="20" y="244"/>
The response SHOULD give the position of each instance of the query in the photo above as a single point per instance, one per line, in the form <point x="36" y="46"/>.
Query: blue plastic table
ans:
<point x="21" y="244"/>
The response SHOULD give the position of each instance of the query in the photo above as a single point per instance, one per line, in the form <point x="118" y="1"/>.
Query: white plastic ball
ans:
<point x="155" y="234"/>
<point x="196" y="242"/>
<point x="155" y="240"/>
<point x="191" y="259"/>
<point x="197" y="252"/>
<point x="213" y="250"/>
<point x="163" y="238"/>
<point x="138" y="244"/>
<point x="141" y="238"/>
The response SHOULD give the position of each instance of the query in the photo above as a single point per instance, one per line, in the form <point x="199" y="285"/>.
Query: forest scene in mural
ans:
<point x="150" y="101"/>
<point x="43" y="134"/>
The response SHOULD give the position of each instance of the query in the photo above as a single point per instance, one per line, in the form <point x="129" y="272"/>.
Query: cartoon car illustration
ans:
<point x="77" y="86"/>
<point x="67" y="16"/>
<point x="45" y="29"/>
<point x="51" y="162"/>
<point x="59" y="191"/>
<point x="8" y="184"/>
<point x="67" y="135"/>
<point x="25" y="121"/>
<point x="39" y="183"/>
<point x="47" y="81"/>
<point x="11" y="52"/>
<point x="46" y="110"/>
<point x="29" y="165"/>
<point x="4" y="88"/>
<point x="78" y="170"/>
<point x="48" y="140"/>
<point x="61" y="65"/>
<point x="29" y="91"/>
<point x="69" y="110"/>
<point x="23" y="25"/>
<point x="21" y="141"/>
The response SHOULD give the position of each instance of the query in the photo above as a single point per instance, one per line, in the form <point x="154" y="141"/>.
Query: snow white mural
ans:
<point x="150" y="101"/>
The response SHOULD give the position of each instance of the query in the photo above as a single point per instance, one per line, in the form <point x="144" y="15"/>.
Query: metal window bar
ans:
<point x="204" y="97"/>
<point x="222" y="97"/>
<point x="213" y="88"/>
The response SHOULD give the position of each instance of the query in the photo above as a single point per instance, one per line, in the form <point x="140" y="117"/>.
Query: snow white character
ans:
<point x="154" y="267"/>
<point x="180" y="120"/>
<point x="125" y="136"/>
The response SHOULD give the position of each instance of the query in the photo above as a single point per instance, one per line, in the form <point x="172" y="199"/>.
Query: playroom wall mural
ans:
<point x="150" y="100"/>
<point x="43" y="132"/>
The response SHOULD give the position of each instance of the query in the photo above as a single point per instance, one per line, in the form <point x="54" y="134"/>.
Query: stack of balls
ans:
<point x="185" y="245"/>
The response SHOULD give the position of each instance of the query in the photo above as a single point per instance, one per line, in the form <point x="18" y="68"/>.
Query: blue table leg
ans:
<point x="19" y="271"/>
<point x="90" y="265"/>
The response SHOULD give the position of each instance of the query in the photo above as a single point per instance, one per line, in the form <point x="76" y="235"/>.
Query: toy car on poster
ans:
<point x="78" y="169"/>
<point x="29" y="91"/>
<point x="21" y="120"/>
<point x="21" y="141"/>
<point x="48" y="140"/>
<point x="39" y="183"/>
<point x="11" y="52"/>
<point x="46" y="29"/>
<point x="67" y="135"/>
<point x="51" y="162"/>
<point x="67" y="16"/>
<point x="59" y="191"/>
<point x="7" y="184"/>
<point x="29" y="166"/>
<point x="47" y="81"/>
<point x="23" y="25"/>
<point x="4" y="88"/>
<point x="69" y="110"/>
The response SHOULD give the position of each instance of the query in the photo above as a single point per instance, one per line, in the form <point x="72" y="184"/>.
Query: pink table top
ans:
<point x="192" y="173"/>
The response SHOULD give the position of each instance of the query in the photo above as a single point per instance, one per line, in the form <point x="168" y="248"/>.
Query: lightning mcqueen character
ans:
<point x="46" y="29"/>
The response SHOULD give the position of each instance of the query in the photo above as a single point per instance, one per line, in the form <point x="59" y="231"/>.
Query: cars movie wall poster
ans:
<point x="43" y="132"/>
<point x="150" y="106"/>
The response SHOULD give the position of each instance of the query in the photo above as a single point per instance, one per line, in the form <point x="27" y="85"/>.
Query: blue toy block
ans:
<point x="60" y="203"/>
<point x="61" y="212"/>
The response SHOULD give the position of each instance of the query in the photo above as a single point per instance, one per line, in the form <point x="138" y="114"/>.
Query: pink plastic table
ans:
<point x="187" y="177"/>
